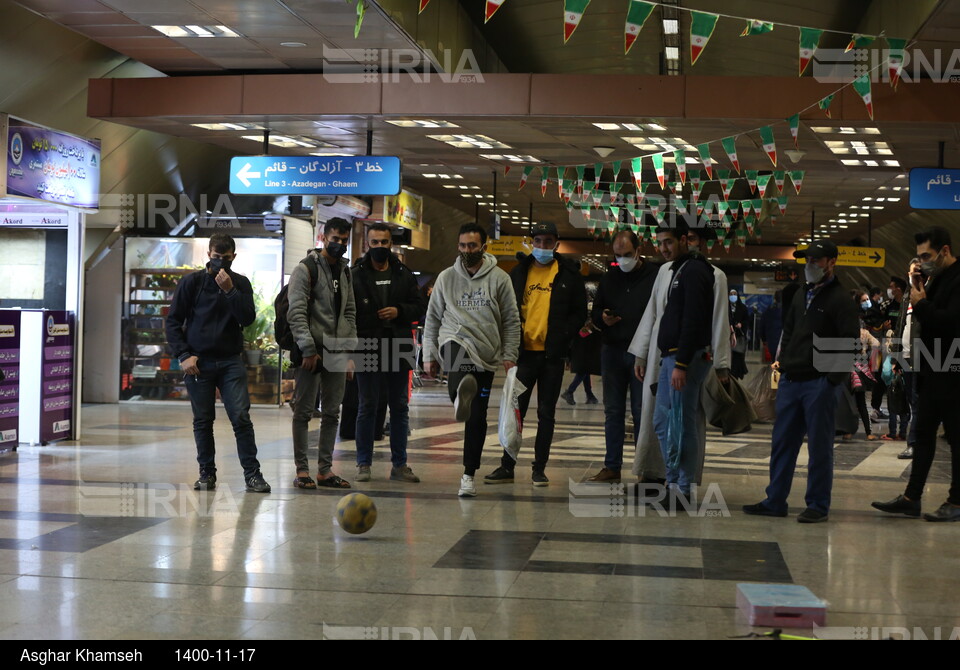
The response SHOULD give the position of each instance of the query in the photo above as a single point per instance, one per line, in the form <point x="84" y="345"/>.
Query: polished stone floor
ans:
<point x="105" y="539"/>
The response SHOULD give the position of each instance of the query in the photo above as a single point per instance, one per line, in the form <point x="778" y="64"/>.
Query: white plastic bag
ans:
<point x="511" y="425"/>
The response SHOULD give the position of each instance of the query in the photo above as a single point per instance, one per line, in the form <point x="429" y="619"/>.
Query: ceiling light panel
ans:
<point x="421" y="123"/>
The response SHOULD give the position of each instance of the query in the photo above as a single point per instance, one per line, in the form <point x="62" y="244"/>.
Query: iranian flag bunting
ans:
<point x="726" y="183"/>
<point x="824" y="104"/>
<point x="763" y="181"/>
<point x="597" y="198"/>
<point x="745" y="205"/>
<point x="423" y="5"/>
<point x="858" y="41"/>
<point x="524" y="176"/>
<point x="741" y="237"/>
<point x="779" y="176"/>
<point x="636" y="165"/>
<point x="726" y="243"/>
<point x="895" y="59"/>
<point x="701" y="28"/>
<point x="730" y="146"/>
<point x="572" y="13"/>
<point x="757" y="206"/>
<point x="561" y="171"/>
<point x="580" y="170"/>
<point x="862" y="86"/>
<point x="704" y="151"/>
<point x="794" y="122"/>
<point x="544" y="178"/>
<point x="637" y="14"/>
<point x="759" y="236"/>
<point x="695" y="186"/>
<point x="683" y="207"/>
<point x="506" y="170"/>
<point x="809" y="40"/>
<point x="566" y="190"/>
<point x="597" y="171"/>
<point x="710" y="243"/>
<point x="769" y="145"/>
<point x="782" y="203"/>
<point x="797" y="178"/>
<point x="616" y="170"/>
<point x="755" y="27"/>
<point x="752" y="179"/>
<point x="658" y="167"/>
<point x="491" y="9"/>
<point x="680" y="159"/>
<point x="699" y="208"/>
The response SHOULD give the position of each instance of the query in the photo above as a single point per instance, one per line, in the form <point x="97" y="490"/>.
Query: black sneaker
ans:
<point x="499" y="476"/>
<point x="568" y="398"/>
<point x="205" y="483"/>
<point x="812" y="516"/>
<point x="256" y="484"/>
<point x="539" y="479"/>
<point x="759" y="509"/>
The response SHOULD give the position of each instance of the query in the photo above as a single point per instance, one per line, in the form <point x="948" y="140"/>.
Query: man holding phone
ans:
<point x="621" y="300"/>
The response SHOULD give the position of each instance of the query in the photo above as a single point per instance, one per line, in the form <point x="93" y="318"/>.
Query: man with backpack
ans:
<point x="204" y="329"/>
<point x="388" y="303"/>
<point x="322" y="320"/>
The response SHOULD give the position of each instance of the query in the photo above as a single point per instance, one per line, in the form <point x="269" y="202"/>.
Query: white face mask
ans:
<point x="813" y="273"/>
<point x="627" y="263"/>
<point x="890" y="293"/>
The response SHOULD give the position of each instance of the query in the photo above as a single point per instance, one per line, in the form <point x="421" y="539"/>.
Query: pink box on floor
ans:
<point x="781" y="605"/>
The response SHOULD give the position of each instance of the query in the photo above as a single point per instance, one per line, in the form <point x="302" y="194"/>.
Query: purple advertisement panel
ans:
<point x="10" y="383"/>
<point x="56" y="407"/>
<point x="51" y="165"/>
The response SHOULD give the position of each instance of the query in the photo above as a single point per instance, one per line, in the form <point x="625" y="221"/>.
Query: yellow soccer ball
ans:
<point x="356" y="513"/>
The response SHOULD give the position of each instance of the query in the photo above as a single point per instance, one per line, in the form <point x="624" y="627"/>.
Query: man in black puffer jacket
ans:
<point x="552" y="300"/>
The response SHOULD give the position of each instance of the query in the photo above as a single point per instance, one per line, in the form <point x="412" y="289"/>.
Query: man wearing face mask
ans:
<point x="388" y="303"/>
<point x="204" y="329"/>
<point x="621" y="300"/>
<point x="936" y="313"/>
<point x="816" y="354"/>
<point x="472" y="326"/>
<point x="322" y="318"/>
<point x="552" y="301"/>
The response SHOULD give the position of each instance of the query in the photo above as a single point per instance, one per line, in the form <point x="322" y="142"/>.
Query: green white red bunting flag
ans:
<point x="597" y="171"/>
<point x="695" y="185"/>
<point x="615" y="188"/>
<point x="544" y="178"/>
<point x="658" y="167"/>
<point x="566" y="190"/>
<point x="809" y="40"/>
<point x="683" y="207"/>
<point x="661" y="216"/>
<point x="755" y="27"/>
<point x="862" y="86"/>
<point x="572" y="13"/>
<point x="423" y="5"/>
<point x="824" y="104"/>
<point x="524" y="175"/>
<point x="757" y="206"/>
<point x="710" y="243"/>
<point x="797" y="178"/>
<point x="726" y="183"/>
<point x="491" y="9"/>
<point x="794" y="122"/>
<point x="361" y="11"/>
<point x="704" y="151"/>
<point x="752" y="179"/>
<point x="759" y="236"/>
<point x="745" y="205"/>
<point x="858" y="41"/>
<point x="721" y="234"/>
<point x="763" y="181"/>
<point x="895" y="59"/>
<point x="597" y="198"/>
<point x="680" y="159"/>
<point x="637" y="14"/>
<point x="580" y="170"/>
<point x="741" y="237"/>
<point x="782" y="204"/>
<point x="636" y="165"/>
<point x="779" y="176"/>
<point x="561" y="171"/>
<point x="726" y="243"/>
<point x="616" y="170"/>
<point x="699" y="208"/>
<point x="749" y="220"/>
<point x="701" y="28"/>
<point x="769" y="145"/>
<point x="730" y="146"/>
<point x="672" y="185"/>
<point x="569" y="206"/>
<point x="506" y="170"/>
<point x="723" y="208"/>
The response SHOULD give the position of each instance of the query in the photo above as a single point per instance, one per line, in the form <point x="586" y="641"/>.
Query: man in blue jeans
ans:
<point x="816" y="353"/>
<point x="621" y="299"/>
<point x="204" y="329"/>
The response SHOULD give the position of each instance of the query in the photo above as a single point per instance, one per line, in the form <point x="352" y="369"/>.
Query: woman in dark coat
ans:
<point x="738" y="323"/>
<point x="585" y="356"/>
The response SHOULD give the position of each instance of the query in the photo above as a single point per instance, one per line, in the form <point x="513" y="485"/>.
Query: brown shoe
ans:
<point x="607" y="476"/>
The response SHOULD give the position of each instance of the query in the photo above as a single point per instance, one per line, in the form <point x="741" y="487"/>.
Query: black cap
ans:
<point x="544" y="228"/>
<point x="818" y="249"/>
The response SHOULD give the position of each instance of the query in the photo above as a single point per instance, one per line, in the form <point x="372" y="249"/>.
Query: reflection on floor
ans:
<point x="106" y="539"/>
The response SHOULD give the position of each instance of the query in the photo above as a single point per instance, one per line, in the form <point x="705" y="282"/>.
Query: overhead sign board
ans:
<point x="861" y="257"/>
<point x="33" y="220"/>
<point x="510" y="245"/>
<point x="46" y="164"/>
<point x="934" y="188"/>
<point x="309" y="175"/>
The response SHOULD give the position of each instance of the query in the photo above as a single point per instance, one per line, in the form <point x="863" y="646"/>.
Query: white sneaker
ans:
<point x="467" y="488"/>
<point x="466" y="392"/>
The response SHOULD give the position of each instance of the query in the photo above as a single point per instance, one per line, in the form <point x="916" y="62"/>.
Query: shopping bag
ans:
<point x="764" y="396"/>
<point x="511" y="425"/>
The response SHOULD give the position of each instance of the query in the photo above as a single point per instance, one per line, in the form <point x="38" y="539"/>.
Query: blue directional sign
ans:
<point x="309" y="175"/>
<point x="934" y="188"/>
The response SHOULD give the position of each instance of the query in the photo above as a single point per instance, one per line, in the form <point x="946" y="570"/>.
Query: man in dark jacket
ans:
<point x="204" y="329"/>
<point x="388" y="304"/>
<point x="936" y="312"/>
<point x="621" y="299"/>
<point x="816" y="354"/>
<point x="552" y="300"/>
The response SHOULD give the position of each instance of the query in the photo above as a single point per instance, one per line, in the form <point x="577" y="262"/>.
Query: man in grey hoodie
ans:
<point x="472" y="325"/>
<point x="322" y="318"/>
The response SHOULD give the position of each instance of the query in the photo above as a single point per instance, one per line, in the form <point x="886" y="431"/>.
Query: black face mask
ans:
<point x="220" y="264"/>
<point x="379" y="255"/>
<point x="335" y="249"/>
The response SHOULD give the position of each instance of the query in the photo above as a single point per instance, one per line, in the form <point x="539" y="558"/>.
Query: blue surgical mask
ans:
<point x="543" y="256"/>
<point x="865" y="305"/>
<point x="733" y="299"/>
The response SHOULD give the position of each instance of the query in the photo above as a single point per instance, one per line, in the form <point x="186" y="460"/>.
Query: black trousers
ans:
<point x="938" y="403"/>
<point x="457" y="365"/>
<point x="535" y="369"/>
<point x="861" y="397"/>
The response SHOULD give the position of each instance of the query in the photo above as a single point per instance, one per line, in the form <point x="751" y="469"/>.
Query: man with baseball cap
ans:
<point x="552" y="300"/>
<point x="816" y="354"/>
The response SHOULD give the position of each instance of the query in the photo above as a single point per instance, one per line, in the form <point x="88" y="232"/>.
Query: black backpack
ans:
<point x="281" y="305"/>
